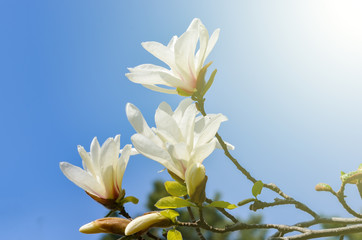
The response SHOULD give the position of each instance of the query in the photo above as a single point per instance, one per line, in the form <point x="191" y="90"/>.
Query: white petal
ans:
<point x="171" y="44"/>
<point x="212" y="41"/>
<point x="109" y="155"/>
<point x="204" y="39"/>
<point x="87" y="162"/>
<point x="120" y="166"/>
<point x="137" y="121"/>
<point x="203" y="151"/>
<point x="161" y="52"/>
<point x="184" y="57"/>
<point x="165" y="122"/>
<point x="210" y="129"/>
<point x="179" y="152"/>
<point x="164" y="106"/>
<point x="82" y="179"/>
<point x="149" y="149"/>
<point x="187" y="125"/>
<point x="179" y="112"/>
<point x="160" y="89"/>
<point x="95" y="151"/>
<point x="151" y="75"/>
<point x="228" y="145"/>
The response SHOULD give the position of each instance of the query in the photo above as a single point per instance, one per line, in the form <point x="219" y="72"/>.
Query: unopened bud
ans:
<point x="143" y="223"/>
<point x="196" y="179"/>
<point x="323" y="187"/>
<point x="106" y="225"/>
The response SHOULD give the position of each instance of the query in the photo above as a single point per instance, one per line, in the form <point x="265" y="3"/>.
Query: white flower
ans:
<point x="180" y="56"/>
<point x="103" y="169"/>
<point x="180" y="139"/>
<point x="146" y="221"/>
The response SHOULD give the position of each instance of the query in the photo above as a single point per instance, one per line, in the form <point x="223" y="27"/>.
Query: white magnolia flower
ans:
<point x="180" y="56"/>
<point x="146" y="221"/>
<point x="180" y="139"/>
<point x="103" y="170"/>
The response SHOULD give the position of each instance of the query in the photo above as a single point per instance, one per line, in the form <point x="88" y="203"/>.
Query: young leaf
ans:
<point x="170" y="214"/>
<point x="132" y="199"/>
<point x="176" y="189"/>
<point x="222" y="204"/>
<point x="173" y="202"/>
<point x="256" y="190"/>
<point x="173" y="234"/>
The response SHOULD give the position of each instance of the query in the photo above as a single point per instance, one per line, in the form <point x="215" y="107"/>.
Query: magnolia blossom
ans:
<point x="180" y="138"/>
<point x="146" y="221"/>
<point x="103" y="170"/>
<point x="180" y="56"/>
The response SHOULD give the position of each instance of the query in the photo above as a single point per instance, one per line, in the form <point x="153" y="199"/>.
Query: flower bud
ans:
<point x="196" y="179"/>
<point x="106" y="225"/>
<point x="323" y="187"/>
<point x="143" y="223"/>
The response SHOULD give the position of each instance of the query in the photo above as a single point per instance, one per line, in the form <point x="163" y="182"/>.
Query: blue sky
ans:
<point x="289" y="80"/>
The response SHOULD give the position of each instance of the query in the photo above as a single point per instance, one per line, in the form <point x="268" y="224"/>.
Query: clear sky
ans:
<point x="289" y="79"/>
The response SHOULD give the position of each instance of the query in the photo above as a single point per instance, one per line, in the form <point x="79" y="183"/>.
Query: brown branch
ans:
<point x="323" y="233"/>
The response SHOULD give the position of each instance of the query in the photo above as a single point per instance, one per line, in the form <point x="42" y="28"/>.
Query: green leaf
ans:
<point x="209" y="83"/>
<point x="173" y="234"/>
<point x="170" y="214"/>
<point x="256" y="190"/>
<point x="173" y="202"/>
<point x="222" y="204"/>
<point x="352" y="177"/>
<point x="246" y="201"/>
<point x="342" y="173"/>
<point x="176" y="189"/>
<point x="131" y="199"/>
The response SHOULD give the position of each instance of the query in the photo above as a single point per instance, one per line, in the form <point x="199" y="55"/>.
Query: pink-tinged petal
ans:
<point x="161" y="52"/>
<point x="184" y="57"/>
<point x="210" y="129"/>
<point x="83" y="179"/>
<point x="201" y="152"/>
